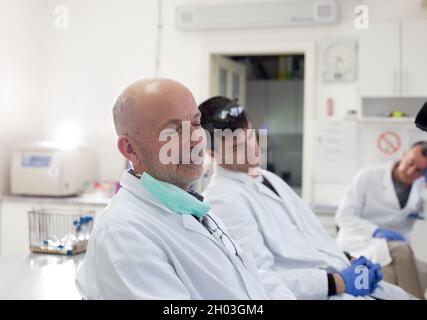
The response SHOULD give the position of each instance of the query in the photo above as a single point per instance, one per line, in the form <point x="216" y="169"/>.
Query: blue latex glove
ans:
<point x="389" y="235"/>
<point x="378" y="274"/>
<point x="415" y="215"/>
<point x="354" y="280"/>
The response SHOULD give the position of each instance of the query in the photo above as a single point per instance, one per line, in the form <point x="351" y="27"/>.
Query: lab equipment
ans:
<point x="42" y="170"/>
<point x="60" y="231"/>
<point x="389" y="235"/>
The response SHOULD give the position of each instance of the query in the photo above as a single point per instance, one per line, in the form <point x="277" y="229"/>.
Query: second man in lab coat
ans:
<point x="269" y="220"/>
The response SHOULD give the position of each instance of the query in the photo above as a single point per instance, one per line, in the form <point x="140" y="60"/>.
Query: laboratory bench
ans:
<point x="32" y="276"/>
<point x="14" y="233"/>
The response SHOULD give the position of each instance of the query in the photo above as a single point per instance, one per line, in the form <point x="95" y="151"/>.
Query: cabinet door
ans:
<point x="379" y="60"/>
<point x="414" y="58"/>
<point x="228" y="78"/>
<point x="14" y="228"/>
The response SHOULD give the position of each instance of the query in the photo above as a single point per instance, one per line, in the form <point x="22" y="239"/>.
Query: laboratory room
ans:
<point x="213" y="150"/>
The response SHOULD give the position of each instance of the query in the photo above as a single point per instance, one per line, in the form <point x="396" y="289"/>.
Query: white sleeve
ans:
<point x="305" y="284"/>
<point x="348" y="213"/>
<point x="244" y="229"/>
<point x="135" y="268"/>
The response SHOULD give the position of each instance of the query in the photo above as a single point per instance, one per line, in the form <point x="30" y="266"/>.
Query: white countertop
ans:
<point x="67" y="200"/>
<point x="31" y="276"/>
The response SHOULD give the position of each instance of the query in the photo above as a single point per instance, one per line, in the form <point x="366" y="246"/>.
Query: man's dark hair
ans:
<point x="423" y="145"/>
<point x="210" y="116"/>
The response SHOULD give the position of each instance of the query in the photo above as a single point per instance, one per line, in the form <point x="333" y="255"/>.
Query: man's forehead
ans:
<point x="183" y="114"/>
<point x="416" y="155"/>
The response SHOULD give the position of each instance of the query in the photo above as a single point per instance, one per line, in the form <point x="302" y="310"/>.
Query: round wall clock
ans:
<point x="339" y="61"/>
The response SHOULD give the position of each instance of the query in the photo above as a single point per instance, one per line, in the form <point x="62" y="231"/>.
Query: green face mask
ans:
<point x="174" y="198"/>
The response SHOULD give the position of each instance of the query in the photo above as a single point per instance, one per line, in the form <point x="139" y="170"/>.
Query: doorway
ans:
<point x="271" y="87"/>
<point x="228" y="49"/>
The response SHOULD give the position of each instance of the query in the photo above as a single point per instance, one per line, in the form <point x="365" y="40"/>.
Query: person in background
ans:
<point x="157" y="239"/>
<point x="378" y="212"/>
<point x="266" y="217"/>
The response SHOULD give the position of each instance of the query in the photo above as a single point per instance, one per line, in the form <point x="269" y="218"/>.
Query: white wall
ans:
<point x="108" y="45"/>
<point x="22" y="40"/>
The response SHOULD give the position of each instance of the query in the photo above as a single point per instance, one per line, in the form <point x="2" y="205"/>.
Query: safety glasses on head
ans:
<point x="229" y="111"/>
<point x="233" y="111"/>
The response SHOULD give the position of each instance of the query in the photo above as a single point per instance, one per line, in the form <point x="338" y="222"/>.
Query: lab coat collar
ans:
<point x="388" y="177"/>
<point x="248" y="180"/>
<point x="388" y="185"/>
<point x="235" y="175"/>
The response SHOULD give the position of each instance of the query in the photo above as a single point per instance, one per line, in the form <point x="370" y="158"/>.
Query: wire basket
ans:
<point x="60" y="231"/>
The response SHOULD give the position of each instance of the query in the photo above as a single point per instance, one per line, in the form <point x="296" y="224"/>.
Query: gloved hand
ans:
<point x="415" y="215"/>
<point x="389" y="235"/>
<point x="376" y="267"/>
<point x="362" y="277"/>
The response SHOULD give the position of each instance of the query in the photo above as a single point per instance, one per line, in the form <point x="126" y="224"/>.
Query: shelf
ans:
<point x="386" y="120"/>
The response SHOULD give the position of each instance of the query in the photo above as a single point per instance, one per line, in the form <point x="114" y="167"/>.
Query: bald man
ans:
<point x="157" y="239"/>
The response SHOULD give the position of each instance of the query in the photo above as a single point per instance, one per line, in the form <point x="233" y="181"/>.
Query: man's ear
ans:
<point x="126" y="149"/>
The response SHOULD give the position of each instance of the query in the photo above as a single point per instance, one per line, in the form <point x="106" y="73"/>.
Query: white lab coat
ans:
<point x="285" y="237"/>
<point x="370" y="203"/>
<point x="141" y="250"/>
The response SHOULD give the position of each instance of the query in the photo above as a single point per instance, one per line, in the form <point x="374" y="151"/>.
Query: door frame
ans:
<point x="240" y="68"/>
<point x="276" y="48"/>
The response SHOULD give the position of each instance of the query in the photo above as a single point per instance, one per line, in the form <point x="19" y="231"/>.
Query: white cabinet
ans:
<point x="379" y="60"/>
<point x="228" y="78"/>
<point x="14" y="228"/>
<point x="392" y="59"/>
<point x="414" y="62"/>
<point x="277" y="103"/>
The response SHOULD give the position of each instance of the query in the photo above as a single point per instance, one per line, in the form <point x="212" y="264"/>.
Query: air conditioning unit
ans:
<point x="257" y="15"/>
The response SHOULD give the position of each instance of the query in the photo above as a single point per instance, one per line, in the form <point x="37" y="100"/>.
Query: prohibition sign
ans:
<point x="388" y="142"/>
